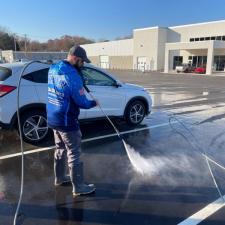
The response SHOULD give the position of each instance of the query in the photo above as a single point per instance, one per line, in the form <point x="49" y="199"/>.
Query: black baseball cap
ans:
<point x="79" y="52"/>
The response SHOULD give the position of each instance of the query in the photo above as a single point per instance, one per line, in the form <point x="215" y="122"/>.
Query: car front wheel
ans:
<point x="34" y="126"/>
<point x="135" y="113"/>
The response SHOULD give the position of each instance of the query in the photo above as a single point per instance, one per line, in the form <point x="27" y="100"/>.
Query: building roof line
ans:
<point x="186" y="25"/>
<point x="105" y="42"/>
<point x="197" y="24"/>
<point x="146" y="28"/>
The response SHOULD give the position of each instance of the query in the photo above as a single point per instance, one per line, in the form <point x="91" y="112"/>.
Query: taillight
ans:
<point x="6" y="89"/>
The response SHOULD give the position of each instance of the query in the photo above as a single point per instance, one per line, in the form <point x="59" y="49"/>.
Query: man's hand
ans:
<point x="97" y="102"/>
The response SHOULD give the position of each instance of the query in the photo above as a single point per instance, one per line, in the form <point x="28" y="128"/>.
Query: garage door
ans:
<point x="104" y="61"/>
<point x="142" y="63"/>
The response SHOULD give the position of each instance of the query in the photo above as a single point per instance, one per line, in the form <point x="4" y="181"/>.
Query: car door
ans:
<point x="40" y="79"/>
<point x="111" y="97"/>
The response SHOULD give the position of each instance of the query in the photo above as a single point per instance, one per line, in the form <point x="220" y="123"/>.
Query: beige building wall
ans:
<point x="186" y="54"/>
<point x="121" y="62"/>
<point x="219" y="52"/>
<point x="162" y="40"/>
<point x="94" y="60"/>
<point x="111" y="48"/>
<point x="173" y="36"/>
<point x="120" y="53"/>
<point x="145" y="45"/>
<point x="216" y="28"/>
<point x="115" y="62"/>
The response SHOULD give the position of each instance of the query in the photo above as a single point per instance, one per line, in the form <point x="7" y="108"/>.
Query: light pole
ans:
<point x="14" y="38"/>
<point x="25" y="44"/>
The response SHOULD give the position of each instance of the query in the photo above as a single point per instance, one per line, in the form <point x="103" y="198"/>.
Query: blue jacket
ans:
<point x="65" y="97"/>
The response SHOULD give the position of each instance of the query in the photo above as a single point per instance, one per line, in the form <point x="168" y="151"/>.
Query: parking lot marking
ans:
<point x="204" y="213"/>
<point x="87" y="140"/>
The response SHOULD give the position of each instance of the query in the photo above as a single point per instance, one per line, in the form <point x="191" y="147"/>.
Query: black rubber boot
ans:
<point x="60" y="174"/>
<point x="77" y="179"/>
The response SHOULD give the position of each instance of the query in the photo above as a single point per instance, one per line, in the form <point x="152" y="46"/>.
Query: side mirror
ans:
<point x="116" y="84"/>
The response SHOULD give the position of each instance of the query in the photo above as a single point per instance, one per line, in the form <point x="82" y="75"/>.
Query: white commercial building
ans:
<point x="162" y="48"/>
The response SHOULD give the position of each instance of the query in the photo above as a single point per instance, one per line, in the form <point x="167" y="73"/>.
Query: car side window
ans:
<point x="39" y="76"/>
<point x="95" y="77"/>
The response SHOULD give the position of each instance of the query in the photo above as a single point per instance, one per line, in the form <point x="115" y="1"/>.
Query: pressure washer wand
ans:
<point x="117" y="132"/>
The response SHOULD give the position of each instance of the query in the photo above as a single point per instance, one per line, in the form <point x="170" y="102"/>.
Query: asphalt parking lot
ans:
<point x="187" y="120"/>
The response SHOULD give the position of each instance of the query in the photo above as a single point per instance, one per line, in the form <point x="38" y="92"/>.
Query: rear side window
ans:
<point x="5" y="73"/>
<point x="39" y="76"/>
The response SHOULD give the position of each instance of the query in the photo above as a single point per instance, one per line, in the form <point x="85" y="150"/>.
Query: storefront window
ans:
<point x="177" y="61"/>
<point x="198" y="61"/>
<point x="219" y="62"/>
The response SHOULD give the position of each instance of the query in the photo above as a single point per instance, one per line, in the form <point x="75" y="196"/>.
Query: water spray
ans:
<point x="130" y="152"/>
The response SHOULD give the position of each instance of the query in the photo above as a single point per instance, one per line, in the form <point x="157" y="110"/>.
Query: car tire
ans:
<point x="135" y="112"/>
<point x="34" y="126"/>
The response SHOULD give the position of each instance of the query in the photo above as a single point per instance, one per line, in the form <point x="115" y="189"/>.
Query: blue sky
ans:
<point x="97" y="19"/>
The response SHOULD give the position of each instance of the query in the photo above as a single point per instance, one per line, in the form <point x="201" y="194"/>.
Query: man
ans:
<point x="65" y="98"/>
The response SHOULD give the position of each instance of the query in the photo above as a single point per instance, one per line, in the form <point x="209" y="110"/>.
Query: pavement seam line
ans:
<point x="84" y="141"/>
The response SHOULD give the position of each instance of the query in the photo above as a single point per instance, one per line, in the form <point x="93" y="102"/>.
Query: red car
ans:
<point x="200" y="70"/>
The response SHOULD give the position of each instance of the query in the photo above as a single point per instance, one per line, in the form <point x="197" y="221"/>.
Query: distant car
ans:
<point x="200" y="70"/>
<point x="184" y="68"/>
<point x="22" y="60"/>
<point x="121" y="100"/>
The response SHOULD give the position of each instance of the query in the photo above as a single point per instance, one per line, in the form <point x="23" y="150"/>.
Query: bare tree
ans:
<point x="8" y="41"/>
<point x="129" y="36"/>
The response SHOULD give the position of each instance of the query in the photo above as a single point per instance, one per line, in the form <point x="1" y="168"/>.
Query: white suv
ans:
<point x="118" y="99"/>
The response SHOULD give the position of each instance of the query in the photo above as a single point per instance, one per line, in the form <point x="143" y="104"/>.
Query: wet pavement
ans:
<point x="187" y="120"/>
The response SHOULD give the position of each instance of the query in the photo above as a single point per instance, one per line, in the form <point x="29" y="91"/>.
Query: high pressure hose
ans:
<point x="200" y="150"/>
<point x="21" y="139"/>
